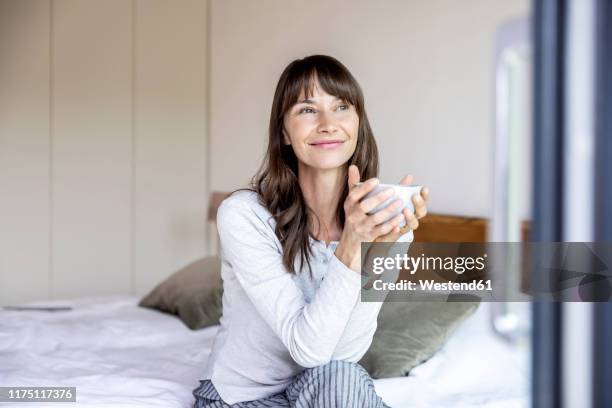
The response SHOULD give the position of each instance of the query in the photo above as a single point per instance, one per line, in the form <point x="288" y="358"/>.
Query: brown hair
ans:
<point x="276" y="181"/>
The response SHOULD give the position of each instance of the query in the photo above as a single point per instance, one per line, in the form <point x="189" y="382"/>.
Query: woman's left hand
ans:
<point x="412" y="219"/>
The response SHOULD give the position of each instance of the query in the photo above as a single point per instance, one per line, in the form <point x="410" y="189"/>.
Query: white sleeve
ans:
<point x="309" y="331"/>
<point x="359" y="332"/>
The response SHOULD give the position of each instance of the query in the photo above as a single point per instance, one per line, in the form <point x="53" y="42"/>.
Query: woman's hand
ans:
<point x="359" y="226"/>
<point x="412" y="219"/>
<point x="412" y="223"/>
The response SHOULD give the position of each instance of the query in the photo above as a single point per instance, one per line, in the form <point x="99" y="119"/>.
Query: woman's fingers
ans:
<point x="383" y="225"/>
<point x="419" y="200"/>
<point x="407" y="180"/>
<point x="358" y="192"/>
<point x="395" y="231"/>
<point x="420" y="207"/>
<point x="404" y="229"/>
<point x="370" y="203"/>
<point x="387" y="212"/>
<point x="389" y="226"/>
<point x="353" y="176"/>
<point x="411" y="220"/>
<point x="425" y="193"/>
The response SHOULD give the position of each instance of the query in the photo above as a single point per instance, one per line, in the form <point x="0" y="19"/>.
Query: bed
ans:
<point x="118" y="354"/>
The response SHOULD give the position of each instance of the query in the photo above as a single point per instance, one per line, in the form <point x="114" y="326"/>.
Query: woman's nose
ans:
<point x="326" y="124"/>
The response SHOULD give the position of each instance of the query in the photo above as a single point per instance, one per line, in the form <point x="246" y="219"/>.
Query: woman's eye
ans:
<point x="343" y="107"/>
<point x="306" y="110"/>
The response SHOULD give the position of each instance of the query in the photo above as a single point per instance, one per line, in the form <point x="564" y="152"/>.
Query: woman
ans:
<point x="293" y="326"/>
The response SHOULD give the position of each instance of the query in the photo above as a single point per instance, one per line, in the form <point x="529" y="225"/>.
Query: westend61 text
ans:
<point x="430" y="285"/>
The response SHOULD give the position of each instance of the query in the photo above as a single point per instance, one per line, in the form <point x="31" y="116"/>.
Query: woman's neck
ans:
<point x="321" y="190"/>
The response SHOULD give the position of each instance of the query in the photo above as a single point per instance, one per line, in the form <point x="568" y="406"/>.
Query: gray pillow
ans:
<point x="193" y="293"/>
<point x="409" y="333"/>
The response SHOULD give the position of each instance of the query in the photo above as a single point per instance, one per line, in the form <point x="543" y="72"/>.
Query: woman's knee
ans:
<point x="341" y="377"/>
<point x="335" y="384"/>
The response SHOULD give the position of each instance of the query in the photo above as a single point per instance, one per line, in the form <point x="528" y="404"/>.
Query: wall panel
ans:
<point x="92" y="147"/>
<point x="24" y="150"/>
<point x="169" y="160"/>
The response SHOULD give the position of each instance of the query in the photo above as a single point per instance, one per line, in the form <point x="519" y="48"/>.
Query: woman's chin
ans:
<point x="329" y="165"/>
<point x="326" y="162"/>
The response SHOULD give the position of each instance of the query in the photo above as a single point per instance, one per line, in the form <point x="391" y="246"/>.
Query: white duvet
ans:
<point x="120" y="355"/>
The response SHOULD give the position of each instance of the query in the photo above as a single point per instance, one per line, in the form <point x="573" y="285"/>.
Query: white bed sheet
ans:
<point x="120" y="355"/>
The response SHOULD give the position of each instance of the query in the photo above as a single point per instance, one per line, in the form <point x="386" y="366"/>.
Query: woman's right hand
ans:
<point x="359" y="226"/>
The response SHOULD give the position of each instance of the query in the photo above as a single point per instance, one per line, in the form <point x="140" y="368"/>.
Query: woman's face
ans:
<point x="322" y="130"/>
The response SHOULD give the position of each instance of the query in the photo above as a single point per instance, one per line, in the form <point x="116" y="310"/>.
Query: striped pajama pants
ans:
<point x="338" y="384"/>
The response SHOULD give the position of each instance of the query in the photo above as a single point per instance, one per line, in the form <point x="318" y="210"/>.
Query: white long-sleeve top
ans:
<point x="276" y="323"/>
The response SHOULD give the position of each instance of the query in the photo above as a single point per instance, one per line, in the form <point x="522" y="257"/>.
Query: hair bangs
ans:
<point x="332" y="77"/>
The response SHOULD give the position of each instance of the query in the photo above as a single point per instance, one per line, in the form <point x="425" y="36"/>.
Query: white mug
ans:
<point x="403" y="192"/>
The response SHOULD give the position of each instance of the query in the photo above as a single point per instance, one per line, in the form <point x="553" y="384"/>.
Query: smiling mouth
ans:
<point x="329" y="144"/>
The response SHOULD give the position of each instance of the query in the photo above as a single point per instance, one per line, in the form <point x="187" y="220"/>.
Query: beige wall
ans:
<point x="105" y="133"/>
<point x="102" y="145"/>
<point x="426" y="68"/>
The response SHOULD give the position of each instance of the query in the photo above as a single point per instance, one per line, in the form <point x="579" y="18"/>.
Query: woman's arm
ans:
<point x="357" y="336"/>
<point x="360" y="329"/>
<point x="309" y="331"/>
